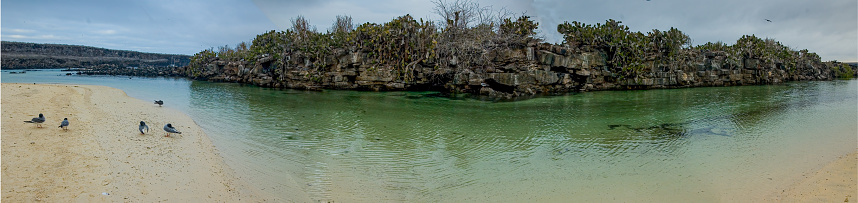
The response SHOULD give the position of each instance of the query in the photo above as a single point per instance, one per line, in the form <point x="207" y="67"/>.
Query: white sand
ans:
<point x="835" y="182"/>
<point x="102" y="157"/>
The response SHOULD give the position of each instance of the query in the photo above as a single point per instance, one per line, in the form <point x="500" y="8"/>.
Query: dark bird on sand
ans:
<point x="169" y="128"/>
<point x="768" y="20"/>
<point x="65" y="124"/>
<point x="143" y="126"/>
<point x="38" y="121"/>
<point x="159" y="102"/>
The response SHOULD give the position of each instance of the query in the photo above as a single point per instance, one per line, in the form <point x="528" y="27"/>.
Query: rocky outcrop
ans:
<point x="110" y="69"/>
<point x="530" y="70"/>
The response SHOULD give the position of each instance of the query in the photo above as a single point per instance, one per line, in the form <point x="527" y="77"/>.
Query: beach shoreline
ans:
<point x="102" y="157"/>
<point x="835" y="181"/>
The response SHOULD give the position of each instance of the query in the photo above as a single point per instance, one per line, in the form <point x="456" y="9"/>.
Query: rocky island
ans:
<point x="504" y="59"/>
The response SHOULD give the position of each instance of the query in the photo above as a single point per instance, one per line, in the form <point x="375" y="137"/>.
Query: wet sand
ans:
<point x="102" y="157"/>
<point x="835" y="182"/>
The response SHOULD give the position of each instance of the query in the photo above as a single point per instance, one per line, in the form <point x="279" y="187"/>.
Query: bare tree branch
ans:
<point x="343" y="23"/>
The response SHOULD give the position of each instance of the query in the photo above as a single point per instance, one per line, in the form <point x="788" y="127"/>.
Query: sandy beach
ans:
<point x="102" y="157"/>
<point x="835" y="182"/>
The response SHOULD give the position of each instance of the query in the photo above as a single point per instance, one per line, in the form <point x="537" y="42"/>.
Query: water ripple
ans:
<point x="415" y="147"/>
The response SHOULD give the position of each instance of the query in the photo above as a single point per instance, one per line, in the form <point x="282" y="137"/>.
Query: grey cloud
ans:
<point x="826" y="27"/>
<point x="184" y="27"/>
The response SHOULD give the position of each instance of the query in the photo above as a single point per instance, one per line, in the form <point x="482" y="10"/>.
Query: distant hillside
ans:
<point x="22" y="55"/>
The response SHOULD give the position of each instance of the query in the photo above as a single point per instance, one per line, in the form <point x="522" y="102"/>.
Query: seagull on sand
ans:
<point x="169" y="128"/>
<point x="159" y="102"/>
<point x="38" y="121"/>
<point x="65" y="124"/>
<point x="143" y="126"/>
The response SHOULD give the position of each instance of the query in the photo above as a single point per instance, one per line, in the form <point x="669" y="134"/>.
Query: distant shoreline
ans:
<point x="25" y="55"/>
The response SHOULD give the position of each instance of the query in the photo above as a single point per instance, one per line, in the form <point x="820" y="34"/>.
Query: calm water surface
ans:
<point x="698" y="144"/>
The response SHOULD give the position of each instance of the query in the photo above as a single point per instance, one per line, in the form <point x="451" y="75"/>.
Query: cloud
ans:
<point x="16" y="36"/>
<point x="183" y="27"/>
<point x="21" y="30"/>
<point x="186" y="27"/>
<point x="32" y="37"/>
<point x="828" y="28"/>
<point x="105" y="32"/>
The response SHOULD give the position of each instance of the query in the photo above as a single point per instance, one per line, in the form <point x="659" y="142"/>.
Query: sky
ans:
<point x="829" y="28"/>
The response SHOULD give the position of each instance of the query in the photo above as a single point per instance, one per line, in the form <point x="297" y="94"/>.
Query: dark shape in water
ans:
<point x="671" y="129"/>
<point x="617" y="126"/>
<point x="561" y="151"/>
<point x="707" y="130"/>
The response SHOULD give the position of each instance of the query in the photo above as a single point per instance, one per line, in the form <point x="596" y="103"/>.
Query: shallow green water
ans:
<point x="699" y="144"/>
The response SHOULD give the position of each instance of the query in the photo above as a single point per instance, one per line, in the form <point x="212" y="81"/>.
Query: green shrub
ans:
<point x="843" y="71"/>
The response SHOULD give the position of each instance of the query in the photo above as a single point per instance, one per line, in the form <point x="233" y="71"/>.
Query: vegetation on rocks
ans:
<point x="22" y="55"/>
<point x="464" y="40"/>
<point x="476" y="49"/>
<point x="626" y="51"/>
<point x="843" y="71"/>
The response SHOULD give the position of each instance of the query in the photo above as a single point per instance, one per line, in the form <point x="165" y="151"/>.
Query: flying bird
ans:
<point x="65" y="124"/>
<point x="159" y="102"/>
<point x="38" y="121"/>
<point x="169" y="128"/>
<point x="769" y="20"/>
<point x="143" y="126"/>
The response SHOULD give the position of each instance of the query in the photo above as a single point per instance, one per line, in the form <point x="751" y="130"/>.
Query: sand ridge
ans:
<point x="102" y="157"/>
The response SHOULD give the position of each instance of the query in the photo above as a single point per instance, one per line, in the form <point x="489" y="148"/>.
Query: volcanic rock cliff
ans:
<point x="502" y="59"/>
<point x="534" y="69"/>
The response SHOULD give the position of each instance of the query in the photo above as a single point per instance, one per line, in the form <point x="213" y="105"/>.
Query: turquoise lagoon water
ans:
<point x="680" y="145"/>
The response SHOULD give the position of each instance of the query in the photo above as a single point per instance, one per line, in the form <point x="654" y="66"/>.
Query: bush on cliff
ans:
<point x="199" y="61"/>
<point x="626" y="51"/>
<point x="470" y="33"/>
<point x="843" y="71"/>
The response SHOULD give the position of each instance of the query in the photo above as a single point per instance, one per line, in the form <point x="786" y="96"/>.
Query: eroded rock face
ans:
<point x="534" y="69"/>
<point x="110" y="69"/>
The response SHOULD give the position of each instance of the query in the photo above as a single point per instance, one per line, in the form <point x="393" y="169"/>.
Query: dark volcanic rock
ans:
<point x="535" y="69"/>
